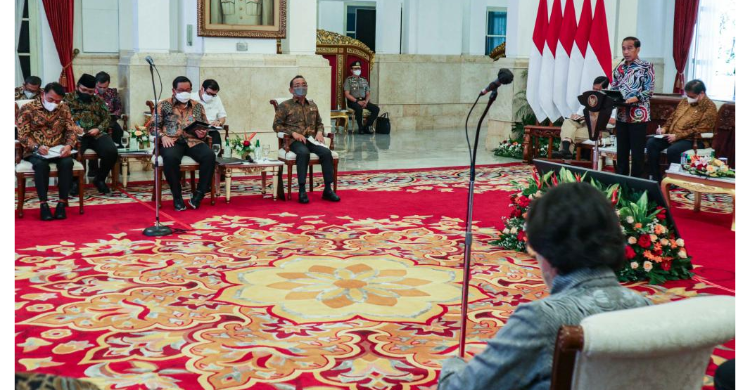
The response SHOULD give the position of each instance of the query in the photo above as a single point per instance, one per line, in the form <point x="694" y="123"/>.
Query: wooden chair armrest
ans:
<point x="226" y="132"/>
<point x="19" y="152"/>
<point x="331" y="136"/>
<point x="79" y="155"/>
<point x="287" y="142"/>
<point x="534" y="127"/>
<point x="569" y="343"/>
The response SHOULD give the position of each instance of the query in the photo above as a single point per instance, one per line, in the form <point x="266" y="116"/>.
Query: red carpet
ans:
<point x="97" y="299"/>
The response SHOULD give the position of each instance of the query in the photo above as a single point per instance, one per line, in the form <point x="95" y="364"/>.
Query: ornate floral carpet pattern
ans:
<point x="276" y="295"/>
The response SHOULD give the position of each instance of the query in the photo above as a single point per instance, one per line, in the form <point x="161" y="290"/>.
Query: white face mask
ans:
<point x="692" y="100"/>
<point x="207" y="98"/>
<point x="49" y="106"/>
<point x="29" y="94"/>
<point x="183" y="97"/>
<point x="357" y="72"/>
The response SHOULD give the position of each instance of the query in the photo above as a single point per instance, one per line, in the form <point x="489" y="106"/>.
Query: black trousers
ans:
<point x="116" y="129"/>
<point x="724" y="376"/>
<point x="631" y="139"/>
<point x="303" y="159"/>
<point x="374" y="110"/>
<point x="172" y="157"/>
<point x="41" y="175"/>
<point x="654" y="146"/>
<point x="215" y="137"/>
<point x="106" y="149"/>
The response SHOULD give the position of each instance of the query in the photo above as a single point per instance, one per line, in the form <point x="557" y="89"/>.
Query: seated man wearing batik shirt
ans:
<point x="208" y="96"/>
<point x="300" y="118"/>
<point x="175" y="114"/>
<point x="90" y="113"/>
<point x="28" y="91"/>
<point x="43" y="124"/>
<point x="694" y="115"/>
<point x="112" y="100"/>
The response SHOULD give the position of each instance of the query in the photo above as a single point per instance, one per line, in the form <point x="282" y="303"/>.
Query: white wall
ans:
<point x="331" y="16"/>
<point x="433" y="27"/>
<point x="100" y="31"/>
<point x="388" y="26"/>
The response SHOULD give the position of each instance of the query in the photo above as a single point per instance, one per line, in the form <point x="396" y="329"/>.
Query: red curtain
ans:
<point x="332" y="61"/>
<point x="685" y="15"/>
<point x="60" y="17"/>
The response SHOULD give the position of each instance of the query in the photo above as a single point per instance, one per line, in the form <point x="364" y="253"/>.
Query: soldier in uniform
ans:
<point x="357" y="94"/>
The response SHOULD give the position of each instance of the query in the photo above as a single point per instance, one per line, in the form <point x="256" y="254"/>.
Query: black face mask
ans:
<point x="84" y="97"/>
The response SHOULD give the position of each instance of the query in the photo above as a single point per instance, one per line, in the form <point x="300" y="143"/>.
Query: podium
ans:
<point x="597" y="109"/>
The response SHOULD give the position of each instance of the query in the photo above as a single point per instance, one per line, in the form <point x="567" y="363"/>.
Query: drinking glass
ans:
<point x="217" y="149"/>
<point x="266" y="151"/>
<point x="124" y="142"/>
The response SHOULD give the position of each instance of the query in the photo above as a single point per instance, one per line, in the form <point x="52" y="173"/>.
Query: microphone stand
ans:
<point x="158" y="229"/>
<point x="469" y="236"/>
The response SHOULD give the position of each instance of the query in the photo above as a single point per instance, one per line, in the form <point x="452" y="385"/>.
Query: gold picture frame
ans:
<point x="242" y="18"/>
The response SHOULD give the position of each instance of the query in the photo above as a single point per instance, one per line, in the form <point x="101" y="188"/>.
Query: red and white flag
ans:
<point x="598" y="58"/>
<point x="576" y="57"/>
<point x="535" y="61"/>
<point x="562" y="59"/>
<point x="547" y="74"/>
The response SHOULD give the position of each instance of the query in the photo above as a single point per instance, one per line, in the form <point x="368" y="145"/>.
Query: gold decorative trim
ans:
<point x="205" y="31"/>
<point x="333" y="39"/>
<point x="340" y="80"/>
<point x="498" y="52"/>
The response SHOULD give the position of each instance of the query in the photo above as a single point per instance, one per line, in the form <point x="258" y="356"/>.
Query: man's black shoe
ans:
<point x="102" y="187"/>
<point x="179" y="204"/>
<point x="303" y="197"/>
<point x="562" y="154"/>
<point x="45" y="213"/>
<point x="195" y="200"/>
<point x="328" y="194"/>
<point x="73" y="188"/>
<point x="60" y="211"/>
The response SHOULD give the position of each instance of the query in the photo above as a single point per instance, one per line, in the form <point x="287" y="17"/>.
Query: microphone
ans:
<point x="150" y="60"/>
<point x="504" y="76"/>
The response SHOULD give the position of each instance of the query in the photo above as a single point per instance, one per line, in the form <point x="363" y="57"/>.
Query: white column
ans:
<point x="388" y="26"/>
<point x="302" y="16"/>
<point x="125" y="27"/>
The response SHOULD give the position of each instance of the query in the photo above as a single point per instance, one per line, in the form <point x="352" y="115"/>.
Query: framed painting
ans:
<point x="242" y="18"/>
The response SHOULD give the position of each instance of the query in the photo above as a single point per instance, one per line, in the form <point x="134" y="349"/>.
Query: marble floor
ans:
<point x="409" y="149"/>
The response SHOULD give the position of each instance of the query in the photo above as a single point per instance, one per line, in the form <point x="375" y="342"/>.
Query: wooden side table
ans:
<point x="123" y="159"/>
<point x="699" y="185"/>
<point x="262" y="167"/>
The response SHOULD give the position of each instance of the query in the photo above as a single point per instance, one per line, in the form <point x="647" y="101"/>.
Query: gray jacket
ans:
<point x="520" y="354"/>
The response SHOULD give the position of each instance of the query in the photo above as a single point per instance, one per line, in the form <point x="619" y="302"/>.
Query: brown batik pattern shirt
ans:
<point x="91" y="115"/>
<point x="688" y="119"/>
<point x="295" y="117"/>
<point x="22" y="96"/>
<point x="174" y="118"/>
<point x="39" y="127"/>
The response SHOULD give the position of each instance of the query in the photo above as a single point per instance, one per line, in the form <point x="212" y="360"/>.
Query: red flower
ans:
<point x="614" y="197"/>
<point x="644" y="241"/>
<point x="554" y="179"/>
<point x="246" y="143"/>
<point x="666" y="265"/>
<point x="521" y="236"/>
<point x="629" y="252"/>
<point x="536" y="179"/>
<point x="662" y="213"/>
<point x="515" y="213"/>
<point x="523" y="201"/>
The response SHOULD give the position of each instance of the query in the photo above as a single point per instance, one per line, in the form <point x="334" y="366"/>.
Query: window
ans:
<point x="497" y="20"/>
<point x="360" y="23"/>
<point x="24" y="43"/>
<point x="712" y="54"/>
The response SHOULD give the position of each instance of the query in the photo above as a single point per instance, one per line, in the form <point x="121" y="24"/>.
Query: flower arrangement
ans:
<point x="509" y="148"/>
<point x="708" y="167"/>
<point x="141" y="136"/>
<point x="242" y="146"/>
<point x="652" y="250"/>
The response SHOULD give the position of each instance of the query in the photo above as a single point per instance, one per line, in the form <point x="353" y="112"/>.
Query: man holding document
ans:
<point x="694" y="115"/>
<point x="178" y="139"/>
<point x="300" y="118"/>
<point x="45" y="126"/>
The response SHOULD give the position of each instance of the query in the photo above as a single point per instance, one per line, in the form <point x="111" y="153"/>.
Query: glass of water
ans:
<point x="216" y="148"/>
<point x="266" y="151"/>
<point x="125" y="142"/>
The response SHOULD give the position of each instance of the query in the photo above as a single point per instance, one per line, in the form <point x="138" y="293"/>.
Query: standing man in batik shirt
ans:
<point x="357" y="94"/>
<point x="112" y="100"/>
